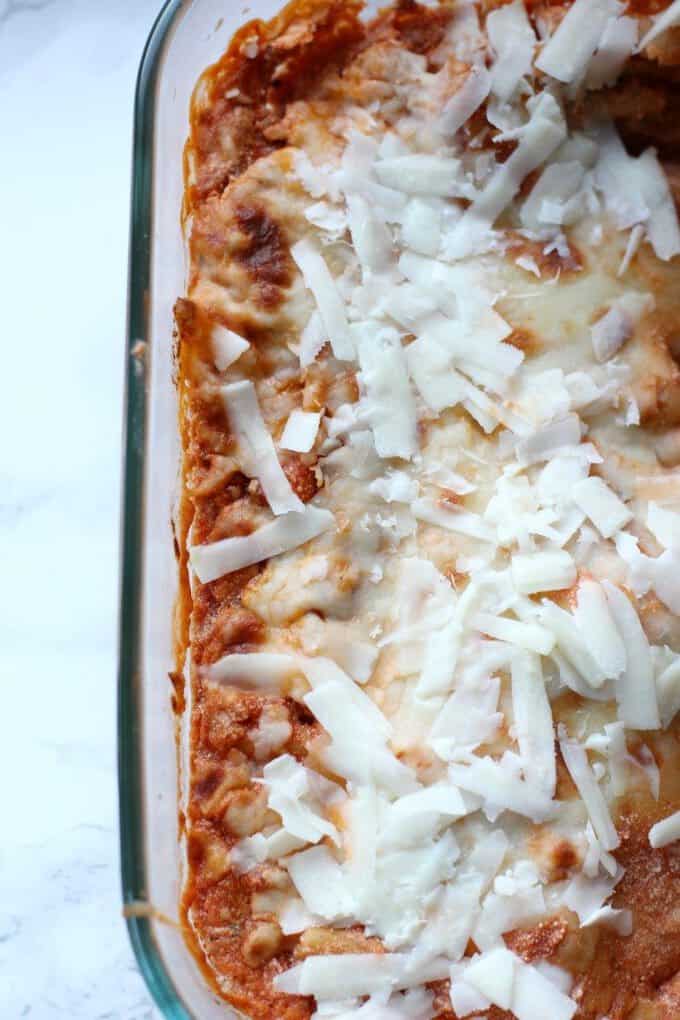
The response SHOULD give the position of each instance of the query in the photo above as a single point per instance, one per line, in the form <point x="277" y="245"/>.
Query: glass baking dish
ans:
<point x="187" y="36"/>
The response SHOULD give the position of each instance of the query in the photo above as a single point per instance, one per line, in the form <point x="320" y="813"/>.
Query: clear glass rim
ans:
<point x="130" y="773"/>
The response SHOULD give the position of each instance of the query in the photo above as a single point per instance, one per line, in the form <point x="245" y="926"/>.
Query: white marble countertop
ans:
<point x="67" y="73"/>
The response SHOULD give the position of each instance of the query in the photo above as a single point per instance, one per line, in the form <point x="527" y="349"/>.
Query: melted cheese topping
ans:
<point x="470" y="563"/>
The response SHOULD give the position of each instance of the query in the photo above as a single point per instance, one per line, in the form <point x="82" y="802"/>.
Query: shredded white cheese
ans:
<point x="533" y="722"/>
<point x="610" y="333"/>
<point x="291" y="793"/>
<point x="663" y="228"/>
<point x="576" y="760"/>
<point x="466" y="101"/>
<point x="635" y="688"/>
<point x="300" y="431"/>
<point x="665" y="832"/>
<point x="513" y="41"/>
<point x="419" y="174"/>
<point x="389" y="402"/>
<point x="615" y="47"/>
<point x="329" y="303"/>
<point x="256" y="447"/>
<point x="539" y="138"/>
<point x="543" y="571"/>
<point x="604" y="508"/>
<point x="503" y="979"/>
<point x="318" y="878"/>
<point x="227" y="347"/>
<point x="600" y="633"/>
<point x="215" y="559"/>
<point x="566" y="55"/>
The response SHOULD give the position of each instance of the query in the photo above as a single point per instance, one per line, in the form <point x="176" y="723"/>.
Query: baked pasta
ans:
<point x="429" y="533"/>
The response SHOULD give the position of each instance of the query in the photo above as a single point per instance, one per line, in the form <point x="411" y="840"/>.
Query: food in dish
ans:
<point x="429" y="531"/>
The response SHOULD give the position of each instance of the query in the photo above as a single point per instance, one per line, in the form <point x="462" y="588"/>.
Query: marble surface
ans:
<point x="67" y="72"/>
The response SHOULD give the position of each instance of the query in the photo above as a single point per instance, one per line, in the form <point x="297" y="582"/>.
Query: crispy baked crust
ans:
<point x="244" y="108"/>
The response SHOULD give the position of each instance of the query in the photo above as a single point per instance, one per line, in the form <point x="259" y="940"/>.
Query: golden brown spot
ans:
<point x="336" y="941"/>
<point x="234" y="519"/>
<point x="237" y="628"/>
<point x="524" y="340"/>
<point x="245" y="811"/>
<point x="555" y="856"/>
<point x="261" y="943"/>
<point x="207" y="777"/>
<point x="234" y="776"/>
<point x="191" y="325"/>
<point x="227" y="716"/>
<point x="265" y="254"/>
<point x="418" y="28"/>
<point x="658" y="398"/>
<point x="208" y="850"/>
<point x="449" y="499"/>
<point x="565" y="858"/>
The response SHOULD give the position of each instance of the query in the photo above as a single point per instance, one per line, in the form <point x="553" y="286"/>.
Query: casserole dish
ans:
<point x="544" y="627"/>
